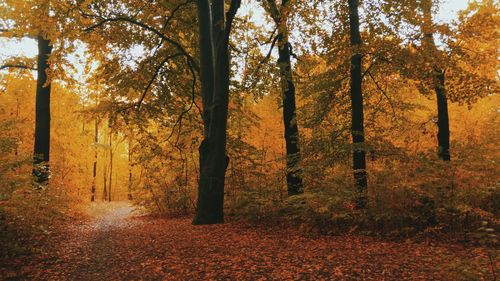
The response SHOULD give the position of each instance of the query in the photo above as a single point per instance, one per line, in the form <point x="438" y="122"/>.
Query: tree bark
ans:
<point x="41" y="158"/>
<point x="213" y="158"/>
<point x="357" y="118"/>
<point x="293" y="156"/>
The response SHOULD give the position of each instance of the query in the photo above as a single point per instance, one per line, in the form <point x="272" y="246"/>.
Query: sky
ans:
<point x="28" y="48"/>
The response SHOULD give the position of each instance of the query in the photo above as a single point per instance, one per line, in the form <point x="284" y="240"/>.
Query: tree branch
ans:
<point x="231" y="13"/>
<point x="179" y="120"/>
<point x="271" y="38"/>
<point x="383" y="92"/>
<point x="151" y="81"/>
<point x="175" y="10"/>
<point x="274" y="11"/>
<point x="266" y="58"/>
<point x="21" y="66"/>
<point x="148" y="28"/>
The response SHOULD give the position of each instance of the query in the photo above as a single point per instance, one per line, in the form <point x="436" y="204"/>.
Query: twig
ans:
<point x="383" y="93"/>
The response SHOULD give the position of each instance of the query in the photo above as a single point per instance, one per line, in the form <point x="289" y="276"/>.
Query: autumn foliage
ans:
<point x="335" y="138"/>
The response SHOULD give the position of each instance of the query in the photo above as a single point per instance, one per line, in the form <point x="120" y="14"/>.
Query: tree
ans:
<point x="94" y="170"/>
<point x="357" y="118"/>
<point x="39" y="20"/>
<point x="214" y="32"/>
<point x="129" y="164"/>
<point x="110" y="158"/>
<point x="293" y="156"/>
<point x="429" y="46"/>
<point x="41" y="155"/>
<point x="152" y="90"/>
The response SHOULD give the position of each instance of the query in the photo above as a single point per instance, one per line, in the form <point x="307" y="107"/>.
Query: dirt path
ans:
<point x="115" y="245"/>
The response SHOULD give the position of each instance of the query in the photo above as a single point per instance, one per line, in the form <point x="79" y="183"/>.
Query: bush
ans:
<point x="406" y="198"/>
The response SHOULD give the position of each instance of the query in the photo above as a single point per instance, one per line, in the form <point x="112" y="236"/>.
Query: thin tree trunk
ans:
<point x="41" y="154"/>
<point x="129" y="190"/>
<point x="18" y="110"/>
<point x="94" y="173"/>
<point x="105" y="186"/>
<point x="357" y="118"/>
<point x="293" y="156"/>
<point x="443" y="134"/>
<point x="110" y="161"/>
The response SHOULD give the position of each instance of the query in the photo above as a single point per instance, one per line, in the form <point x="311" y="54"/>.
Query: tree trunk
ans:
<point x="213" y="158"/>
<point x="206" y="61"/>
<point x="94" y="173"/>
<point x="443" y="119"/>
<point x="129" y="189"/>
<point x="105" y="186"/>
<point x="357" y="118"/>
<point x="110" y="161"/>
<point x="429" y="45"/>
<point x="293" y="157"/>
<point x="41" y="154"/>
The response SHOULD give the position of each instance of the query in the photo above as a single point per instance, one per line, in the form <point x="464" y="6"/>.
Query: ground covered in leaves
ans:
<point x="114" y="244"/>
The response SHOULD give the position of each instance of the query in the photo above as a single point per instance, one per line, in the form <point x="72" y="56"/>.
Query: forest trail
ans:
<point x="114" y="244"/>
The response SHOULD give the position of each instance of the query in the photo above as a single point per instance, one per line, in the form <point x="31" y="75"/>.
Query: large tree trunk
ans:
<point x="429" y="45"/>
<point x="293" y="157"/>
<point x="213" y="158"/>
<point x="206" y="61"/>
<point x="41" y="154"/>
<point x="357" y="118"/>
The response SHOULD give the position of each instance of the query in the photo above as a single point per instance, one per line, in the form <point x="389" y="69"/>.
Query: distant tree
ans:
<point x="110" y="143"/>
<point x="94" y="170"/>
<point x="461" y="68"/>
<point x="129" y="164"/>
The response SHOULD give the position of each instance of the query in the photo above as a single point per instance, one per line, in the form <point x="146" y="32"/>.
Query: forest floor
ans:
<point x="114" y="244"/>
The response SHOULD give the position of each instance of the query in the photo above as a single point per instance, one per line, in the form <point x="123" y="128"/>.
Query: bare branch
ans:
<point x="151" y="81"/>
<point x="383" y="93"/>
<point x="270" y="39"/>
<point x="175" y="10"/>
<point x="266" y="58"/>
<point x="20" y="66"/>
<point x="179" y="120"/>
